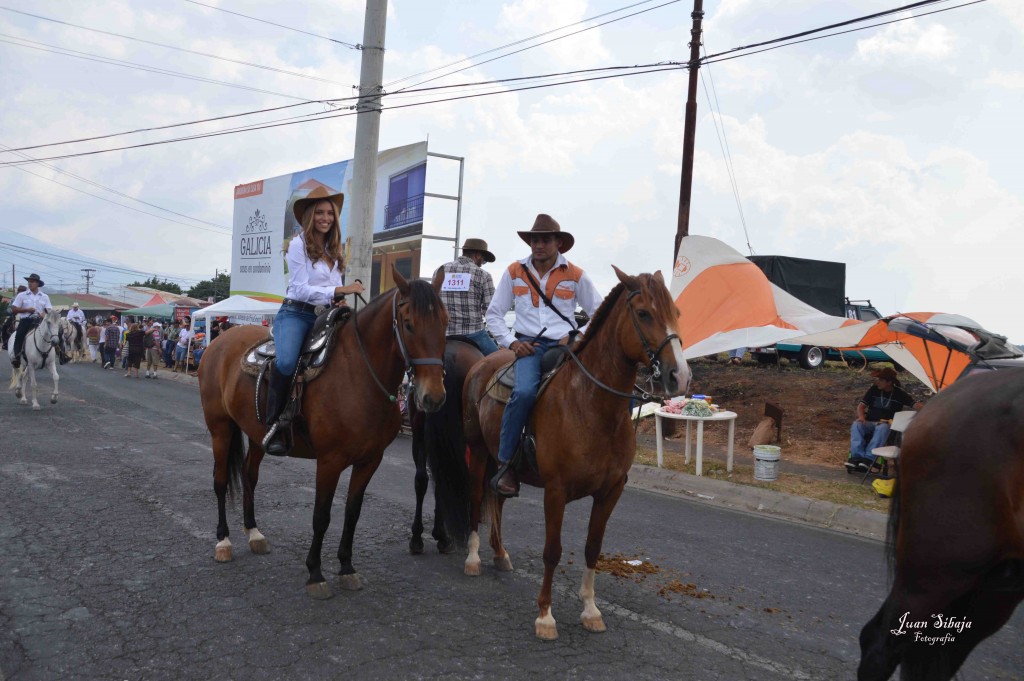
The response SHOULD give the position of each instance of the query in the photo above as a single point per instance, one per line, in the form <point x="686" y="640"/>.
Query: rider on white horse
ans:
<point x="27" y="304"/>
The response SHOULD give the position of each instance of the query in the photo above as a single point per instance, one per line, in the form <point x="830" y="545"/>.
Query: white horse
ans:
<point x="74" y="340"/>
<point x="40" y="347"/>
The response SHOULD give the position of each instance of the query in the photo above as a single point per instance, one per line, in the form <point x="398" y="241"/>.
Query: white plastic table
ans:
<point x="729" y="416"/>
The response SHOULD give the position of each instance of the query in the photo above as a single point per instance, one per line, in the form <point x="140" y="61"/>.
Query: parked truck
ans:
<point x="822" y="285"/>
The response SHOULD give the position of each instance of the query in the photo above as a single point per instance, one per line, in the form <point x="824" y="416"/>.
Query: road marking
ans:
<point x="750" y="659"/>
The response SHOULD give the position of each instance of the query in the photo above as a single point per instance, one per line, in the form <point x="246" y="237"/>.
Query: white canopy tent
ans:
<point x="237" y="305"/>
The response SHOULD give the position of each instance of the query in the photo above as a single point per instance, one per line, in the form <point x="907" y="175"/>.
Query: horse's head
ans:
<point x="647" y="332"/>
<point x="50" y="326"/>
<point x="420" y="323"/>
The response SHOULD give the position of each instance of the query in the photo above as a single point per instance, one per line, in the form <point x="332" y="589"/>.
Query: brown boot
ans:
<point x="505" y="482"/>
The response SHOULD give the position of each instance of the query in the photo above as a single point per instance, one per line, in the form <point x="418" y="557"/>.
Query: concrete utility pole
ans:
<point x="364" y="181"/>
<point x="689" y="129"/>
<point x="88" y="276"/>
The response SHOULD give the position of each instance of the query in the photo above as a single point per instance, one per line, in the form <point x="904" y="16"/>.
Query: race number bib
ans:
<point x="456" y="281"/>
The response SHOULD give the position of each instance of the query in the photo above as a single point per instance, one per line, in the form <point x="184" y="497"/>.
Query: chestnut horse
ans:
<point x="438" y="443"/>
<point x="956" y="531"/>
<point x="585" y="442"/>
<point x="349" y="414"/>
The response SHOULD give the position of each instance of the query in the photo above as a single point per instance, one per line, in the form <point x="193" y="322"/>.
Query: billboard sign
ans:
<point x="263" y="223"/>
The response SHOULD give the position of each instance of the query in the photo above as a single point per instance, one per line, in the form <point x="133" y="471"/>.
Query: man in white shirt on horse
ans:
<point x="26" y="305"/>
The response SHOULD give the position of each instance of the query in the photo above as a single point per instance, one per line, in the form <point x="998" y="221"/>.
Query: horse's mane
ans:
<point x="643" y="281"/>
<point x="422" y="299"/>
<point x="604" y="311"/>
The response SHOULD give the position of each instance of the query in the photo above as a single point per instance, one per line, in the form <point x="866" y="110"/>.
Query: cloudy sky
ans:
<point x="894" y="149"/>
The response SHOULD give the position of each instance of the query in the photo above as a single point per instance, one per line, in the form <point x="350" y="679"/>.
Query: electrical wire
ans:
<point x="88" y="56"/>
<point x="530" y="47"/>
<point x="175" y="47"/>
<point x="351" y="46"/>
<point x="516" y="42"/>
<point x="109" y="189"/>
<point x="97" y="264"/>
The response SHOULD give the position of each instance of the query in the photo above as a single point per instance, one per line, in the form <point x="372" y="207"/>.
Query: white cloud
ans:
<point x="530" y="17"/>
<point x="1011" y="80"/>
<point x="907" y="39"/>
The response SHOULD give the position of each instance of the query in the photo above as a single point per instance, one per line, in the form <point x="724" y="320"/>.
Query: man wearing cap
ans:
<point x="879" y="404"/>
<point x="466" y="292"/>
<point x="544" y="288"/>
<point x="27" y="305"/>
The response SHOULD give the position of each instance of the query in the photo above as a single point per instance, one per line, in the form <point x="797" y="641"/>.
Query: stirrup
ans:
<point x="504" y="469"/>
<point x="275" y="436"/>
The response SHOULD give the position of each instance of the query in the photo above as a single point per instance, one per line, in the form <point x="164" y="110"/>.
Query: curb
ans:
<point x="825" y="514"/>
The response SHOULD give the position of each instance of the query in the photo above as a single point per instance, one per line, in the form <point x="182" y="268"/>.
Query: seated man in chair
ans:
<point x="874" y="411"/>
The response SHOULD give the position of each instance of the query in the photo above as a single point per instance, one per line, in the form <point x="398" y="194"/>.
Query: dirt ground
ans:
<point x="819" y="405"/>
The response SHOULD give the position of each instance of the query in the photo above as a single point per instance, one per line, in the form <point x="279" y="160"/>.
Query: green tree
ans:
<point x="159" y="285"/>
<point x="219" y="288"/>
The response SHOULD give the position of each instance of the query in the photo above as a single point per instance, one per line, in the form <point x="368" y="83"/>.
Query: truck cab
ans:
<point x="812" y="357"/>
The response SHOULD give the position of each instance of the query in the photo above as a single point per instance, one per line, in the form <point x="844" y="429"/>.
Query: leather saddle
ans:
<point x="315" y="350"/>
<point x="500" y="385"/>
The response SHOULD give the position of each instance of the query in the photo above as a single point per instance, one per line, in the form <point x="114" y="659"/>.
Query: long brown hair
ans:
<point x="316" y="249"/>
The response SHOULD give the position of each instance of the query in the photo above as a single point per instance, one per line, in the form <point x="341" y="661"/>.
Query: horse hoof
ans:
<point x="472" y="569"/>
<point x="53" y="400"/>
<point x="319" y="591"/>
<point x="503" y="563"/>
<point x="36" y="407"/>
<point x="352" y="582"/>
<point x="222" y="554"/>
<point x="593" y="624"/>
<point x="546" y="631"/>
<point x="17" y="394"/>
<point x="416" y="546"/>
<point x="445" y="546"/>
<point x="258" y="544"/>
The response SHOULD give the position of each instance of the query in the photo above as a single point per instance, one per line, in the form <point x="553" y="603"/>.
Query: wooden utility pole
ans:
<point x="689" y="129"/>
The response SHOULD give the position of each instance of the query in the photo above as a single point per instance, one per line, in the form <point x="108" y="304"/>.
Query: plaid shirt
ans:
<point x="466" y="308"/>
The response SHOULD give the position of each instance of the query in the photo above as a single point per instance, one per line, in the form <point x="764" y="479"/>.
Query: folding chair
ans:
<point x="883" y="455"/>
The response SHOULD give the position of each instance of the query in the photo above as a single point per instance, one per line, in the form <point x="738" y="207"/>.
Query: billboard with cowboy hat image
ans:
<point x="267" y="214"/>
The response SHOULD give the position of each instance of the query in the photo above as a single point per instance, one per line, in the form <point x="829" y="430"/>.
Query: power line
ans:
<point x="88" y="56"/>
<point x="530" y="47"/>
<point x="174" y="47"/>
<point x="337" y="115"/>
<point x="4" y="147"/>
<point x="97" y="264"/>
<point x="710" y="59"/>
<point x="264" y="21"/>
<point x="514" y="43"/>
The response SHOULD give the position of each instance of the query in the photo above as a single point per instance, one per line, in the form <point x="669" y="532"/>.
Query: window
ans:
<point x="405" y="198"/>
<point x="404" y="267"/>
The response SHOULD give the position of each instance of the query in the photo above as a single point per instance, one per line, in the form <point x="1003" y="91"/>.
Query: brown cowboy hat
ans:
<point x="314" y="197"/>
<point x="478" y="245"/>
<point x="35" y="277"/>
<point x="545" y="224"/>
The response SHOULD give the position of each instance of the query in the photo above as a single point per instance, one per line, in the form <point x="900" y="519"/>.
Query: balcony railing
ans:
<point x="403" y="212"/>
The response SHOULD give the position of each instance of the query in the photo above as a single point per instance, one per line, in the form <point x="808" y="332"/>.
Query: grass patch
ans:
<point x="845" y="493"/>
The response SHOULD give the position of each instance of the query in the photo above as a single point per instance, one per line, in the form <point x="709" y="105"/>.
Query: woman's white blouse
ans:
<point x="310" y="282"/>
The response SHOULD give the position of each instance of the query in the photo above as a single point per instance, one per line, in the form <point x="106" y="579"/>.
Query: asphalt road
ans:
<point x="107" y="520"/>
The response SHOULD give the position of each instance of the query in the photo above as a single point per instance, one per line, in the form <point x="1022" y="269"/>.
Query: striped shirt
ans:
<point x="466" y="301"/>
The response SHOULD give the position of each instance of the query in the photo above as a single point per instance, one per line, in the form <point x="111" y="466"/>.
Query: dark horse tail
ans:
<point x="236" y="459"/>
<point x="445" y="444"/>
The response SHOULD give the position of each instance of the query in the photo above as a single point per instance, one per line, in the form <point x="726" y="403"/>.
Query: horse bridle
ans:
<point x="410" y="362"/>
<point x="653" y="368"/>
<point x="54" y="339"/>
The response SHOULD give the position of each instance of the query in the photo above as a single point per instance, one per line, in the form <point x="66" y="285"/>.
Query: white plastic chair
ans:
<point x="900" y="421"/>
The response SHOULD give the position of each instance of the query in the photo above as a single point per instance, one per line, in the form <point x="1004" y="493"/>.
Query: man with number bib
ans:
<point x="544" y="288"/>
<point x="467" y="291"/>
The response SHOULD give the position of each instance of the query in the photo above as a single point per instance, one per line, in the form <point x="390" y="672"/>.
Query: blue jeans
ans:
<point x="291" y="325"/>
<point x="517" y="411"/>
<point x="866" y="436"/>
<point x="197" y="354"/>
<point x="483" y="341"/>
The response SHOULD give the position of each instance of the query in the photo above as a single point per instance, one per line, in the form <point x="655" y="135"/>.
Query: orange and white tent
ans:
<point x="725" y="302"/>
<point x="933" y="346"/>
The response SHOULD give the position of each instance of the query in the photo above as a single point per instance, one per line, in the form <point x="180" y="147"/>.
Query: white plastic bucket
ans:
<point x="766" y="462"/>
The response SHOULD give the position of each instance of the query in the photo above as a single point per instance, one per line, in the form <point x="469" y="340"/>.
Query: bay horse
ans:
<point x="438" y="443"/>
<point x="585" y="443"/>
<point x="40" y="348"/>
<point x="956" y="531"/>
<point x="349" y="414"/>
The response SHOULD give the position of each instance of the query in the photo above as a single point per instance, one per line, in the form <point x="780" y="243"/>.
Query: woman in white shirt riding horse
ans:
<point x="315" y="268"/>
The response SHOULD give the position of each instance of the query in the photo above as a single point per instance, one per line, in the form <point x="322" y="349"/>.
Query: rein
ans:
<point x="653" y="366"/>
<point x="54" y="339"/>
<point x="410" y="362"/>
